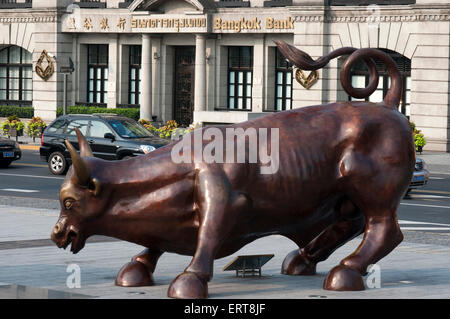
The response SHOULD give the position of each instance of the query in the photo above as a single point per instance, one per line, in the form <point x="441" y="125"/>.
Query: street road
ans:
<point x="29" y="177"/>
<point x="427" y="210"/>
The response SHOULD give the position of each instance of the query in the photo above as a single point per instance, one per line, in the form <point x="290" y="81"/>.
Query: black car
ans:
<point x="9" y="151"/>
<point x="110" y="136"/>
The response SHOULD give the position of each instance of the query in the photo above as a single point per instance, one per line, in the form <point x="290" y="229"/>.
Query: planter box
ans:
<point x="37" y="132"/>
<point x="12" y="131"/>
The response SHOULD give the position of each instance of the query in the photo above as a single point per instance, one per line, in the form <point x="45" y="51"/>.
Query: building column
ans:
<point x="75" y="75"/>
<point x="146" y="78"/>
<point x="156" y="78"/>
<point x="258" y="89"/>
<point x="200" y="73"/>
<point x="113" y="71"/>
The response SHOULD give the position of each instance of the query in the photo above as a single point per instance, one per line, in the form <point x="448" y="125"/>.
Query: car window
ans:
<point x="128" y="128"/>
<point x="98" y="129"/>
<point x="82" y="125"/>
<point x="57" y="127"/>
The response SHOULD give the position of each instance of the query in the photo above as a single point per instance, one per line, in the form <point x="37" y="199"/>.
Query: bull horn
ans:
<point x="81" y="175"/>
<point x="85" y="149"/>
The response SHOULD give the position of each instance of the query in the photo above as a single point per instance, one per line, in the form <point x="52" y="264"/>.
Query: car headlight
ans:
<point x="16" y="146"/>
<point x="420" y="165"/>
<point x="147" y="148"/>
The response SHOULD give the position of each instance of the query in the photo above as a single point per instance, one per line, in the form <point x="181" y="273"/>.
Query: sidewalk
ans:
<point x="28" y="258"/>
<point x="437" y="162"/>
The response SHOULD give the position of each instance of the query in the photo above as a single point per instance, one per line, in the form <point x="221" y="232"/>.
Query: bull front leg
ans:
<point x="139" y="272"/>
<point x="218" y="210"/>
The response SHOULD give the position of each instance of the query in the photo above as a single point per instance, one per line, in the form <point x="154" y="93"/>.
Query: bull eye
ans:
<point x="68" y="204"/>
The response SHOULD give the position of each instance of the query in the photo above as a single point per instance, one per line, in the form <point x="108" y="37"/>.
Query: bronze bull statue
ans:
<point x="343" y="169"/>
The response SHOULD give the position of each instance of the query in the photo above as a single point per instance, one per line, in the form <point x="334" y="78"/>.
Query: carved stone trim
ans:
<point x="364" y="19"/>
<point x="29" y="19"/>
<point x="362" y="15"/>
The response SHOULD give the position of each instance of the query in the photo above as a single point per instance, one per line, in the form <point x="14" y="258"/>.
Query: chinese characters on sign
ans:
<point x="87" y="23"/>
<point x="104" y="24"/>
<point x="178" y="23"/>
<point x="122" y="23"/>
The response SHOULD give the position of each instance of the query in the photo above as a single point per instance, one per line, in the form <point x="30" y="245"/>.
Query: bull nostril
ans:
<point x="56" y="229"/>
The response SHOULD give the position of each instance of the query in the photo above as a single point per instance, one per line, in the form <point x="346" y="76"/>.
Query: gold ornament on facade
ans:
<point x="307" y="81"/>
<point x="47" y="72"/>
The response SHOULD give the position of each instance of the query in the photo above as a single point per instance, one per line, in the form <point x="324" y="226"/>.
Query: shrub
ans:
<point x="170" y="130"/>
<point x="35" y="127"/>
<point x="12" y="122"/>
<point x="129" y="112"/>
<point x="419" y="138"/>
<point x="20" y="111"/>
<point x="164" y="131"/>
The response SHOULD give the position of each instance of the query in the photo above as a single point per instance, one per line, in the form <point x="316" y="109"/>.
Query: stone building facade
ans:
<point x="215" y="61"/>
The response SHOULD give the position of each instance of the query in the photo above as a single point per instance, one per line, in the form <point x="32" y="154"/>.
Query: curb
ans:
<point x="29" y="147"/>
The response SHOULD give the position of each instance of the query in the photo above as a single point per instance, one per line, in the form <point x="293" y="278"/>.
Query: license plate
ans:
<point x="418" y="178"/>
<point x="8" y="154"/>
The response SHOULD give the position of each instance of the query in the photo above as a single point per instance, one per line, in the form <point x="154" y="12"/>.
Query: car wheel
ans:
<point x="57" y="163"/>
<point x="4" y="164"/>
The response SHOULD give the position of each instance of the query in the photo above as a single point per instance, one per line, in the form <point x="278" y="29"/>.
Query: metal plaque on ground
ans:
<point x="250" y="264"/>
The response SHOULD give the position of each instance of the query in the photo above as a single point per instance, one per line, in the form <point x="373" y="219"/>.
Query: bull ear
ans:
<point x="95" y="186"/>
<point x="85" y="149"/>
<point x="81" y="175"/>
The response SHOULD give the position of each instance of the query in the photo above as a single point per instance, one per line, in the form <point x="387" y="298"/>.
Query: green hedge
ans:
<point x="133" y="113"/>
<point x="20" y="111"/>
<point x="28" y="112"/>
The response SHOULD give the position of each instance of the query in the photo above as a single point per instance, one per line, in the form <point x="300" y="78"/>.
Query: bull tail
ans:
<point x="303" y="61"/>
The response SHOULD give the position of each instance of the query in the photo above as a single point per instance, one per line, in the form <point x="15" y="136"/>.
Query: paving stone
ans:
<point x="412" y="270"/>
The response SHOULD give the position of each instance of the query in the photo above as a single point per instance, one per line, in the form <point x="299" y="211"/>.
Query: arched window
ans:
<point x="360" y="79"/>
<point x="16" y="76"/>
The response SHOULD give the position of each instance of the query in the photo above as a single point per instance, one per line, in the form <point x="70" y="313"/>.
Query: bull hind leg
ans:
<point x="218" y="209"/>
<point x="382" y="235"/>
<point x="139" y="272"/>
<point x="303" y="261"/>
<point x="378" y="201"/>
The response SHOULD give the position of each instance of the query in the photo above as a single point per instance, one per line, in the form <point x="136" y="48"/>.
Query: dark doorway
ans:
<point x="184" y="85"/>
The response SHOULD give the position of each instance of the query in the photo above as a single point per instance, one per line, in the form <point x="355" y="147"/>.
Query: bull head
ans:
<point x="81" y="175"/>
<point x="79" y="199"/>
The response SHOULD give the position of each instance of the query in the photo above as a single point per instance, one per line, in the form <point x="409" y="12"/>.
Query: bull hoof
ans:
<point x="188" y="286"/>
<point x="297" y="265"/>
<point x="134" y="274"/>
<point x="343" y="278"/>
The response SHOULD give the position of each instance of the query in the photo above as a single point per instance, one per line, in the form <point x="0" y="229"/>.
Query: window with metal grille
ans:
<point x="240" y="77"/>
<point x="135" y="74"/>
<point x="283" y="83"/>
<point x="232" y="3"/>
<point x="16" y="75"/>
<point x="369" y="2"/>
<point x="97" y="73"/>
